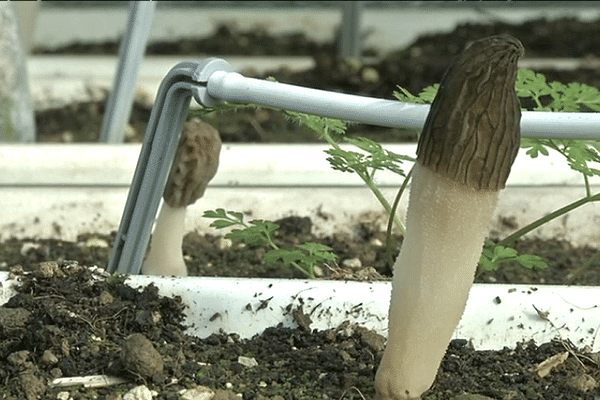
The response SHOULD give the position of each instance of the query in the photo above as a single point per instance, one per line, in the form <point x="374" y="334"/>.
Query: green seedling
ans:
<point x="303" y="257"/>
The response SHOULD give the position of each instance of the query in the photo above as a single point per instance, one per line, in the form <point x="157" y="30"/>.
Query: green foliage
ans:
<point x="426" y="96"/>
<point x="373" y="158"/>
<point x="581" y="155"/>
<point x="572" y="97"/>
<point x="494" y="254"/>
<point x="322" y="125"/>
<point x="309" y="255"/>
<point x="304" y="257"/>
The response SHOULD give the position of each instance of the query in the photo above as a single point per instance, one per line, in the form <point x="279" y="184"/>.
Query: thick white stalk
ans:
<point x="445" y="230"/>
<point x="165" y="255"/>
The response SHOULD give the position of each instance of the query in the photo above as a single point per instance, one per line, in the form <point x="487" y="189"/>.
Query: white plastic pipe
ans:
<point x="232" y="86"/>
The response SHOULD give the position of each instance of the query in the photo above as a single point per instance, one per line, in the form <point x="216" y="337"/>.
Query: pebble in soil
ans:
<point x="69" y="320"/>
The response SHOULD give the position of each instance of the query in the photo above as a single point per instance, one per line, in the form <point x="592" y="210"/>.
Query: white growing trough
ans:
<point x="75" y="189"/>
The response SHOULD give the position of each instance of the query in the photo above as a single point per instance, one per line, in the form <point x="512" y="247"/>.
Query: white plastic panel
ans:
<point x="496" y="315"/>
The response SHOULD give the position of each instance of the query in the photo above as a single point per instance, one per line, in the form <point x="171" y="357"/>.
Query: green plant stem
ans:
<point x="561" y="211"/>
<point x="588" y="190"/>
<point x="369" y="182"/>
<point x="388" y="235"/>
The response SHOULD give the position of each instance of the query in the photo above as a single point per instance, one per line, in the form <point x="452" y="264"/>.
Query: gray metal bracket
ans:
<point x="211" y="81"/>
<point x="154" y="163"/>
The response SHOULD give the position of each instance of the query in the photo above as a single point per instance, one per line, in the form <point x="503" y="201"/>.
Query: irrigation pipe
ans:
<point x="232" y="86"/>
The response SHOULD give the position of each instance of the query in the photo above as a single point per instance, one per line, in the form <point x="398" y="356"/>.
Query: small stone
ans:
<point x="140" y="357"/>
<point x="13" y="318"/>
<point x="26" y="247"/>
<point x="247" y="361"/>
<point x="545" y="367"/>
<point x="224" y="243"/>
<point x="48" y="269"/>
<point x="583" y="382"/>
<point x="221" y="394"/>
<point x="48" y="358"/>
<point x="129" y="132"/>
<point x="371" y="338"/>
<point x="318" y="271"/>
<point x="370" y="75"/>
<point x="18" y="357"/>
<point x="469" y="396"/>
<point x="16" y="271"/>
<point x="376" y="242"/>
<point x="197" y="393"/>
<point x="56" y="373"/>
<point x="139" y="393"/>
<point x="105" y="298"/>
<point x="345" y="356"/>
<point x="63" y="396"/>
<point x="96" y="242"/>
<point x="353" y="263"/>
<point x="33" y="386"/>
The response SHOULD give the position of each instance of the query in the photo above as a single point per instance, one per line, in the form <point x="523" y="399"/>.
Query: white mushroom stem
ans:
<point x="165" y="257"/>
<point x="445" y="229"/>
<point x="194" y="165"/>
<point x="465" y="152"/>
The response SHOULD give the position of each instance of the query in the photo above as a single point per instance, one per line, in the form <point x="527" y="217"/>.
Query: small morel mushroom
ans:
<point x="195" y="164"/>
<point x="465" y="152"/>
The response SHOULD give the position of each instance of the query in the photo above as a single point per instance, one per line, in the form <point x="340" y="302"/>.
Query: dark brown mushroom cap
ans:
<point x="472" y="132"/>
<point x="195" y="164"/>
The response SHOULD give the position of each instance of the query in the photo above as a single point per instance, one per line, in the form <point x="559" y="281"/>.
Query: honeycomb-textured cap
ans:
<point x="472" y="132"/>
<point x="195" y="164"/>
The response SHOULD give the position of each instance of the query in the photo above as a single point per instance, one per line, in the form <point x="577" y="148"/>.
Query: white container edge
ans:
<point x="496" y="315"/>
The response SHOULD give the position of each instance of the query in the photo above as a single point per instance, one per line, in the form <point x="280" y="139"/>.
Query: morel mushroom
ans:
<point x="195" y="164"/>
<point x="464" y="155"/>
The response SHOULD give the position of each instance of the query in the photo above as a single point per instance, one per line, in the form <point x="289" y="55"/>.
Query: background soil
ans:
<point x="419" y="65"/>
<point x="70" y="321"/>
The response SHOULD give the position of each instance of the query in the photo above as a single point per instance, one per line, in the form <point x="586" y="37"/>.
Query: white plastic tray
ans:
<point x="60" y="191"/>
<point x="496" y="315"/>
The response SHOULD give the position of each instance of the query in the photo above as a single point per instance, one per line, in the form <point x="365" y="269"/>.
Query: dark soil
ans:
<point x="68" y="320"/>
<point x="210" y="255"/>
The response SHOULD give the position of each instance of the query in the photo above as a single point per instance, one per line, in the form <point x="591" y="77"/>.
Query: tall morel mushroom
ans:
<point x="469" y="142"/>
<point x="195" y="164"/>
